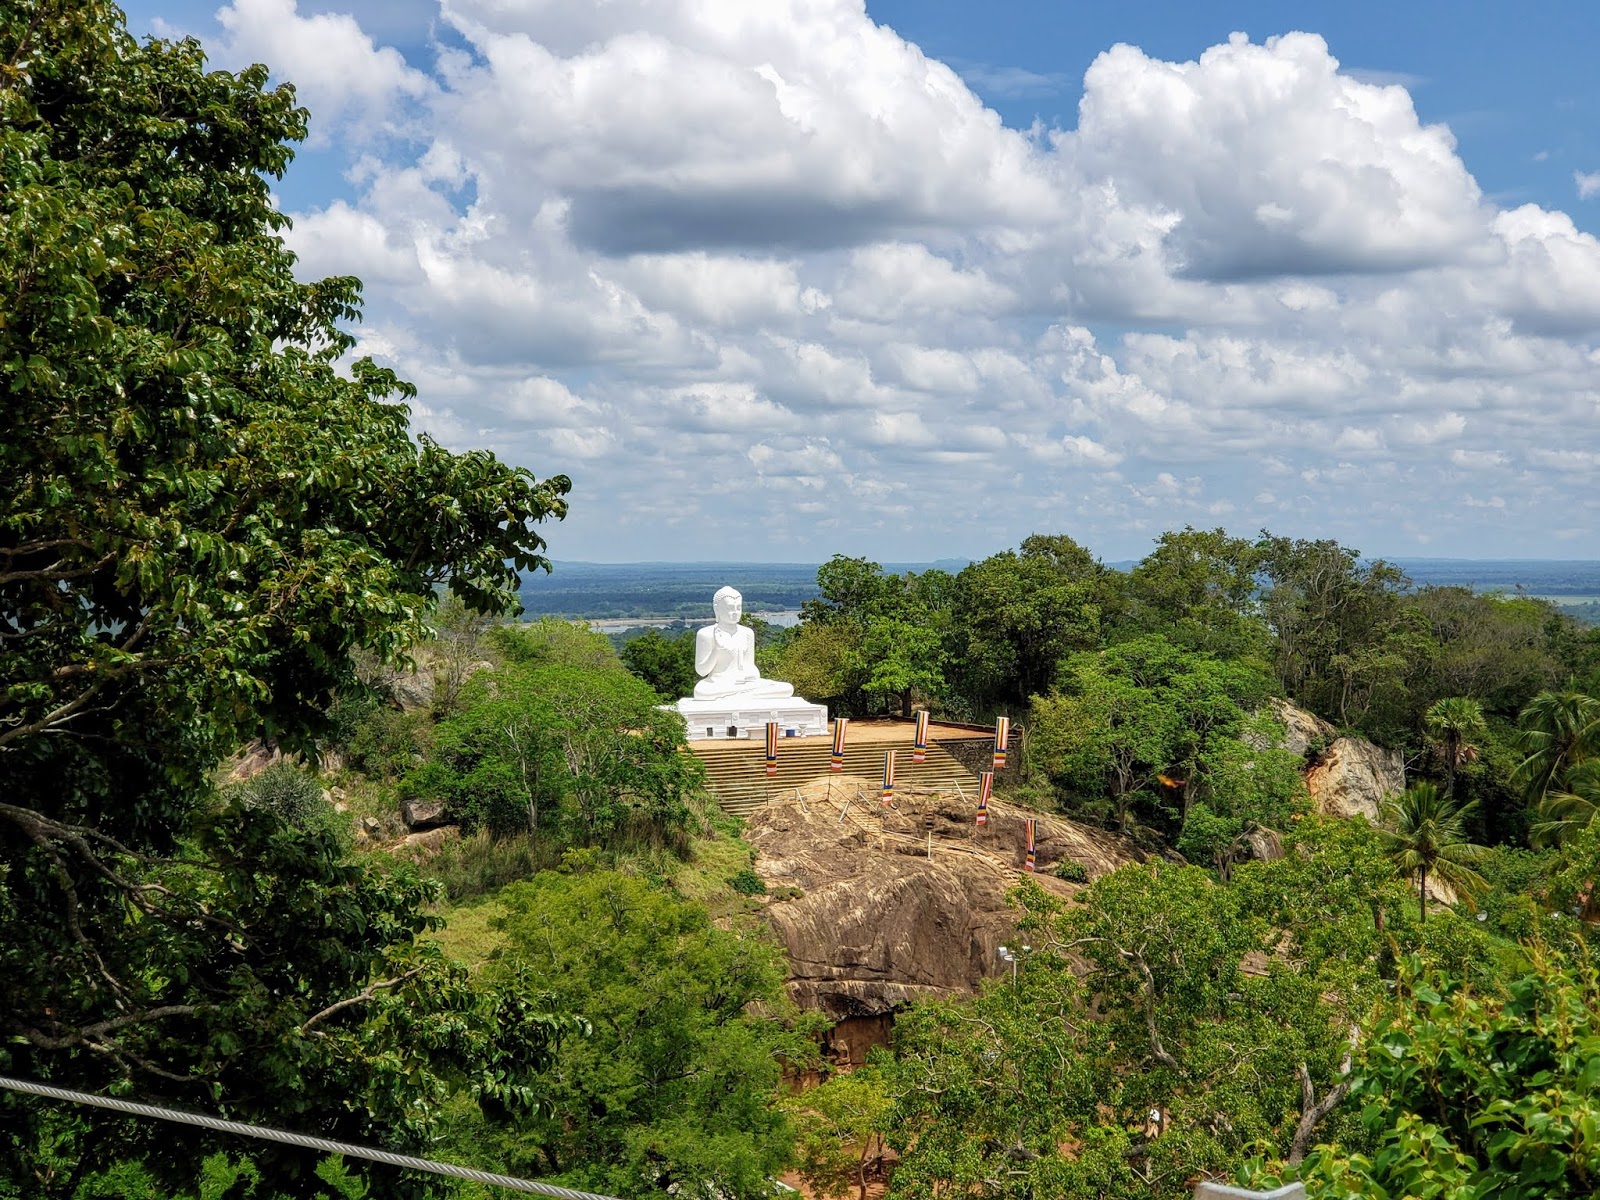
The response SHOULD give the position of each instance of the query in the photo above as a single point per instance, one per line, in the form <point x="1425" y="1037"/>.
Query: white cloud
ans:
<point x="1588" y="183"/>
<point x="766" y="274"/>
<point x="337" y="71"/>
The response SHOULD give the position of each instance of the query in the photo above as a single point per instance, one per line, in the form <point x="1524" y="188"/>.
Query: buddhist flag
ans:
<point x="919" y="752"/>
<point x="888" y="776"/>
<point x="837" y="762"/>
<point x="1028" y="861"/>
<point x="985" y="790"/>
<point x="1002" y="733"/>
<point x="772" y="747"/>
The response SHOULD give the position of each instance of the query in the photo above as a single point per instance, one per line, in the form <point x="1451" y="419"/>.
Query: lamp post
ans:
<point x="1008" y="955"/>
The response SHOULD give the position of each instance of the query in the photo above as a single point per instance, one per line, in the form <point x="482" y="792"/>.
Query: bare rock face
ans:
<point x="252" y="760"/>
<point x="1353" y="777"/>
<point x="1302" y="730"/>
<point x="422" y="814"/>
<point x="878" y="923"/>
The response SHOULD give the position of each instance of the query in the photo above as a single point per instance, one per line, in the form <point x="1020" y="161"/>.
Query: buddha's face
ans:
<point x="729" y="608"/>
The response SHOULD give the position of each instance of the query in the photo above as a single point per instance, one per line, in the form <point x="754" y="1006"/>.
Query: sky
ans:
<point x="913" y="279"/>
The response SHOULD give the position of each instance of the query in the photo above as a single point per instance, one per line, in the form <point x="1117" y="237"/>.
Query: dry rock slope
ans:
<point x="870" y="921"/>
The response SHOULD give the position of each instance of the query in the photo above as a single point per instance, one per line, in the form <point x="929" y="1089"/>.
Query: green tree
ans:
<point x="1566" y="812"/>
<point x="1020" y="615"/>
<point x="1472" y="1092"/>
<point x="839" y="1130"/>
<point x="868" y="638"/>
<point x="1456" y="726"/>
<point x="206" y="518"/>
<point x="1143" y="720"/>
<point x="1424" y="833"/>
<point x="675" y="1089"/>
<point x="665" y="663"/>
<point x="1198" y="588"/>
<point x="1340" y="643"/>
<point x="1557" y="730"/>
<point x="580" y="754"/>
<point x="1134" y="1050"/>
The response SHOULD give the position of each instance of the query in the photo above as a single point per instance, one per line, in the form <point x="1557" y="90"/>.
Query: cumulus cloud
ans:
<point x="337" y="70"/>
<point x="767" y="275"/>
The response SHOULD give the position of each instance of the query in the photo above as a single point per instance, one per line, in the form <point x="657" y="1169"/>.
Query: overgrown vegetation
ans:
<point x="218" y="535"/>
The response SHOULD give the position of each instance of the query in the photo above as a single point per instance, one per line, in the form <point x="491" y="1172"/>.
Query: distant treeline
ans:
<point x="607" y="591"/>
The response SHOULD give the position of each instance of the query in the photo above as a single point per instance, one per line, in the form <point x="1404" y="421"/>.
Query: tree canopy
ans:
<point x="208" y="513"/>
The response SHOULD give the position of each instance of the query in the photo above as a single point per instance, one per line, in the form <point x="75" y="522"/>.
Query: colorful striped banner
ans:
<point x="888" y="776"/>
<point x="837" y="762"/>
<point x="1028" y="862"/>
<point x="772" y="747"/>
<point x="1002" y="734"/>
<point x="919" y="751"/>
<point x="985" y="790"/>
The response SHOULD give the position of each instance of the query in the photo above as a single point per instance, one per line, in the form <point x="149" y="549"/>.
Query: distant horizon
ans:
<point x="803" y="562"/>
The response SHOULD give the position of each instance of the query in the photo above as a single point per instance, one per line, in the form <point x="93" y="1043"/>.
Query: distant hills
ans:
<point x="600" y="591"/>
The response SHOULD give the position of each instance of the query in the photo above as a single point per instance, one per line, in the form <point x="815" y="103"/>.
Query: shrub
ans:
<point x="748" y="883"/>
<point x="1072" y="872"/>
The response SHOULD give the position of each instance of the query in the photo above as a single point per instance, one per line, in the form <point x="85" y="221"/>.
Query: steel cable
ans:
<point x="297" y="1139"/>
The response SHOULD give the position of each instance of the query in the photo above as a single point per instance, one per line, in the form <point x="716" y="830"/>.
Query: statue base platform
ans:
<point x="732" y="717"/>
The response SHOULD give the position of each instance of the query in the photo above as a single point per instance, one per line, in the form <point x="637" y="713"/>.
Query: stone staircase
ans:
<point x="736" y="770"/>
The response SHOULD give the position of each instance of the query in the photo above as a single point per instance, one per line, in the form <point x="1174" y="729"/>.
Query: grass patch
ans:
<point x="469" y="935"/>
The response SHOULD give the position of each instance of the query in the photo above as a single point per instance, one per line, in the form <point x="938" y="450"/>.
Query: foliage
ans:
<point x="839" y="1130"/>
<point x="1341" y="645"/>
<point x="1034" y="1090"/>
<point x="665" y="663"/>
<point x="1021" y="614"/>
<point x="208" y="518"/>
<point x="1559" y="736"/>
<point x="1143" y="725"/>
<point x="220" y="1177"/>
<point x="386" y="742"/>
<point x="748" y="883"/>
<point x="293" y="795"/>
<point x="869" y="638"/>
<point x="674" y="1088"/>
<point x="551" y="642"/>
<point x="480" y="863"/>
<point x="1456" y="725"/>
<point x="1198" y="588"/>
<point x="1424" y="833"/>
<point x="583" y="754"/>
<point x="1469" y="1093"/>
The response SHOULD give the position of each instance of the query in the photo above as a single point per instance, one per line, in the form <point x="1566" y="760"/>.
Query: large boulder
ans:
<point x="1353" y="777"/>
<point x="1302" y="731"/>
<point x="872" y="923"/>
<point x="422" y="813"/>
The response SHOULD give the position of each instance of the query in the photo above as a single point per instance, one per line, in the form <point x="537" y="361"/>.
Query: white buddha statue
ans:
<point x="725" y="657"/>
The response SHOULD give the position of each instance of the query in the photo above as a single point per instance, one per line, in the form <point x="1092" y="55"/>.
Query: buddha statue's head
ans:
<point x="728" y="604"/>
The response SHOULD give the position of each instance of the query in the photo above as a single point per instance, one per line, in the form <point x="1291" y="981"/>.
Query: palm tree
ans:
<point x="1557" y="731"/>
<point x="1424" y="833"/>
<point x="1457" y="725"/>
<point x="1564" y="814"/>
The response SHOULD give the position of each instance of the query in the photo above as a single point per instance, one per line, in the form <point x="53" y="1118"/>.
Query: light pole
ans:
<point x="1008" y="955"/>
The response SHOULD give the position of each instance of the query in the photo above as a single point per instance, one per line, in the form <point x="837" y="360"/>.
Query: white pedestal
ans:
<point x="733" y="718"/>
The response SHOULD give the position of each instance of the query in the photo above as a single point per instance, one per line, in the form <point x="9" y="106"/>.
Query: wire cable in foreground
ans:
<point x="302" y="1140"/>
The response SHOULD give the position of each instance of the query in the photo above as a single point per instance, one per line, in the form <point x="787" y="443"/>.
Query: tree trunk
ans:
<point x="1422" y="894"/>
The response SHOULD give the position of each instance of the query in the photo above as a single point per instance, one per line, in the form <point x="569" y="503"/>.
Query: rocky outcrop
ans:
<point x="422" y="814"/>
<point x="871" y="922"/>
<point x="1346" y="776"/>
<point x="1302" y="731"/>
<point x="1353" y="777"/>
<point x="251" y="761"/>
